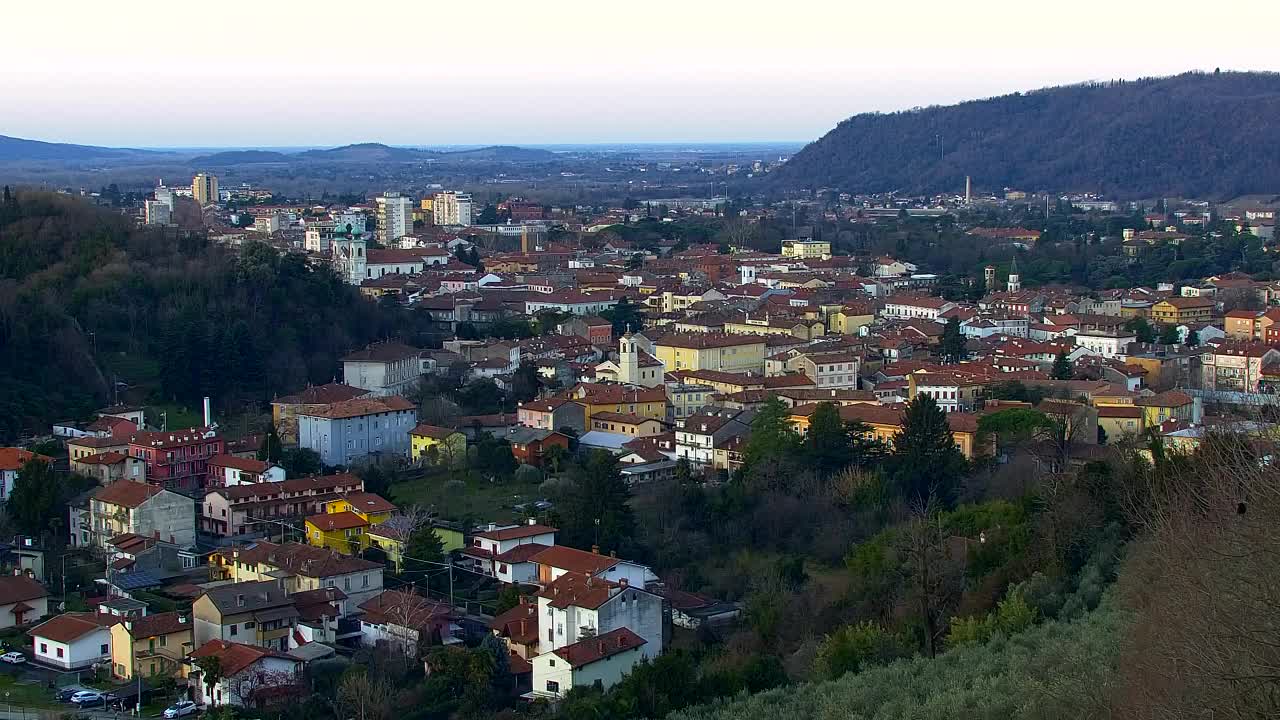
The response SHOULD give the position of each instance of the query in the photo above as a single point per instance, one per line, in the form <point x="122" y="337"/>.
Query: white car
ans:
<point x="13" y="658"/>
<point x="180" y="709"/>
<point x="88" y="697"/>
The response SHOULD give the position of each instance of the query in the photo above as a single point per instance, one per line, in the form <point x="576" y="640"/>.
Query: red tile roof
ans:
<point x="362" y="406"/>
<point x="234" y="657"/>
<point x="18" y="588"/>
<point x="585" y="652"/>
<point x="238" y="463"/>
<point x="433" y="431"/>
<point x="126" y="493"/>
<point x="516" y="532"/>
<point x="329" y="522"/>
<point x="165" y="623"/>
<point x="14" y="458"/>
<point x="574" y="560"/>
<point x="68" y="627"/>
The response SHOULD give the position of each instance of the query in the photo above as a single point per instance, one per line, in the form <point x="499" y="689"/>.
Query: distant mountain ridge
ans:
<point x="12" y="148"/>
<point x="1195" y="134"/>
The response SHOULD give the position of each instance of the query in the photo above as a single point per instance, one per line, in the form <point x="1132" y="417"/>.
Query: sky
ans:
<point x="433" y="72"/>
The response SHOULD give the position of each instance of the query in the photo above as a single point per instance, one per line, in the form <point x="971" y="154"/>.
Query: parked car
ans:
<point x="14" y="657"/>
<point x="181" y="708"/>
<point x="89" y="697"/>
<point x="64" y="694"/>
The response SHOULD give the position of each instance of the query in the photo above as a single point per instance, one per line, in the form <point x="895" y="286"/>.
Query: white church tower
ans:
<point x="628" y="360"/>
<point x="1015" y="281"/>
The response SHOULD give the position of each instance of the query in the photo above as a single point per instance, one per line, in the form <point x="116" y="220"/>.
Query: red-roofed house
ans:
<point x="506" y="552"/>
<point x="251" y="676"/>
<point x="73" y="640"/>
<point x="229" y="471"/>
<point x="602" y="659"/>
<point x="11" y="461"/>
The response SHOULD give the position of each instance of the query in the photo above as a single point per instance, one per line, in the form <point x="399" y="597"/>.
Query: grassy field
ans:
<point x="177" y="417"/>
<point x="30" y="694"/>
<point x="472" y="499"/>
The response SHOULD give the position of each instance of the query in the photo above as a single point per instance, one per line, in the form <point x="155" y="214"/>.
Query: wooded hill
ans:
<point x="1196" y="134"/>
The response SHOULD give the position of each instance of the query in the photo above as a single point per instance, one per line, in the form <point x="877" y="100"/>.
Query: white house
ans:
<point x="1106" y="343"/>
<point x="910" y="307"/>
<point x="22" y="600"/>
<point x="404" y="620"/>
<point x="603" y="659"/>
<point x="560" y="559"/>
<point x="73" y="640"/>
<point x="251" y="676"/>
<point x="506" y="552"/>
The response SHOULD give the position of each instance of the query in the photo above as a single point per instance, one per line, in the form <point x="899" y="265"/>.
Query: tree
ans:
<point x="1062" y="367"/>
<point x="37" y="502"/>
<point x="772" y="437"/>
<point x="422" y="550"/>
<point x="926" y="462"/>
<point x="524" y="383"/>
<point x="827" y="442"/>
<point x="595" y="509"/>
<point x="1141" y="329"/>
<point x="1193" y="338"/>
<point x="271" y="450"/>
<point x="210" y="674"/>
<point x="1169" y="335"/>
<point x="301" y="462"/>
<point x="855" y="647"/>
<point x="554" y="458"/>
<point x="952" y="348"/>
<point x="624" y="316"/>
<point x="363" y="695"/>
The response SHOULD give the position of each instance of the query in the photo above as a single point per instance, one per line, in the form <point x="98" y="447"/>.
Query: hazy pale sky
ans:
<point x="276" y="72"/>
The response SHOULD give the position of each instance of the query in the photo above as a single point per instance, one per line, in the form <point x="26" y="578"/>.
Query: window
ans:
<point x="60" y="652"/>
<point x="234" y="630"/>
<point x="250" y="625"/>
<point x="104" y="649"/>
<point x="553" y="686"/>
<point x="164" y="640"/>
<point x="364" y="581"/>
<point x="553" y="663"/>
<point x="346" y="583"/>
<point x="551" y="635"/>
<point x="44" y="648"/>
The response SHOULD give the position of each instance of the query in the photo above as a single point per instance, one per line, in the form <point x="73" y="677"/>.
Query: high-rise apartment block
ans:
<point x="395" y="217"/>
<point x="452" y="208"/>
<point x="204" y="188"/>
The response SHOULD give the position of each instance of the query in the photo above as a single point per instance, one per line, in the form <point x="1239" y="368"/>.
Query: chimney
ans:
<point x="128" y="624"/>
<point x="208" y="412"/>
<point x="533" y="521"/>
<point x="624" y="582"/>
<point x="595" y="549"/>
<point x="613" y="553"/>
<point x="183" y="618"/>
<point x="522" y="631"/>
<point x="239" y="600"/>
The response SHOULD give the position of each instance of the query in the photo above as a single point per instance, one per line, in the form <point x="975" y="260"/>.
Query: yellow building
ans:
<point x="609" y="398"/>
<point x="711" y="351"/>
<point x="766" y="325"/>
<point x="849" y="319"/>
<point x="150" y="645"/>
<point x="343" y="523"/>
<point x="883" y="424"/>
<point x="1166" y="406"/>
<point x="626" y="424"/>
<point x="392" y="541"/>
<point x="1118" y="421"/>
<point x="1182" y="310"/>
<point x="204" y="188"/>
<point x="806" y="249"/>
<point x="437" y="445"/>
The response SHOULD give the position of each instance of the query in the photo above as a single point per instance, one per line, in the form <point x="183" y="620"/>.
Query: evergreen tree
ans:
<point x="1169" y="335"/>
<point x="827" y="443"/>
<point x="524" y="383"/>
<point x="952" y="347"/>
<point x="1141" y="329"/>
<point x="271" y="449"/>
<point x="423" y="548"/>
<point x="925" y="462"/>
<point x="772" y="437"/>
<point x="1193" y="338"/>
<point x="1062" y="367"/>
<point x="596" y="507"/>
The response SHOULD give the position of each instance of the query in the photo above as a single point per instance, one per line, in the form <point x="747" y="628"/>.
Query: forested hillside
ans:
<point x="87" y="300"/>
<point x="1191" y="135"/>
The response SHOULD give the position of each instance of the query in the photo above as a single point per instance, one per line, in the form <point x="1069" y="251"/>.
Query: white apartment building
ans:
<point x="452" y="208"/>
<point x="395" y="217"/>
<point x="158" y="212"/>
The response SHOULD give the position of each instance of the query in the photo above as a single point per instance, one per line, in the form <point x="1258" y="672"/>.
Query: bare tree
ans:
<point x="361" y="696"/>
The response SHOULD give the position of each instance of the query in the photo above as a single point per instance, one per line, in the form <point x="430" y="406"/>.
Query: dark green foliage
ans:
<point x="952" y="348"/>
<point x="1164" y="136"/>
<point x="1169" y="335"/>
<point x="524" y="384"/>
<point x="772" y="438"/>
<point x="175" y="318"/>
<point x="925" y="462"/>
<point x="594" y="508"/>
<point x="300" y="462"/>
<point x="37" y="502"/>
<point x="271" y="449"/>
<point x="855" y="647"/>
<point x="625" y="316"/>
<point x="826" y="444"/>
<point x="1062" y="367"/>
<point x="1142" y="329"/>
<point x="492" y="457"/>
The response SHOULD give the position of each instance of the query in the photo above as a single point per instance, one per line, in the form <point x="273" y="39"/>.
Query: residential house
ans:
<point x="598" y="397"/>
<point x="579" y="605"/>
<point x="142" y="509"/>
<point x="109" y="467"/>
<point x="599" y="661"/>
<point x="884" y="422"/>
<point x="436" y="445"/>
<point x="251" y="677"/>
<point x="952" y="391"/>
<point x="592" y="327"/>
<point x="343" y="523"/>
<point x="150" y="645"/>
<point x="710" y="351"/>
<point x="391" y="537"/>
<point x="72" y="641"/>
<point x="255" y="508"/>
<point x="258" y="613"/>
<point x="1236" y="365"/>
<point x="300" y="568"/>
<point x="22" y="600"/>
<point x="1182" y="310"/>
<point x="406" y="622"/>
<point x="229" y="471"/>
<point x="687" y="399"/>
<point x="1168" y="405"/>
<point x="284" y="411"/>
<point x="1119" y="421"/>
<point x="11" y="461"/>
<point x="1107" y="343"/>
<point x="626" y="424"/>
<point x="89" y="445"/>
<point x="358" y="430"/>
<point x="556" y="413"/>
<point x="529" y="445"/>
<point x="505" y="552"/>
<point x="177" y="459"/>
<point x="386" y="368"/>
<point x="697" y="436"/>
<point x="905" y="307"/>
<point x="559" y="559"/>
<point x="830" y="370"/>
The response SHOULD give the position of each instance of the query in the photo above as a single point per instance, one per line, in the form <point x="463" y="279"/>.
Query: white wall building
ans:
<point x="158" y="212"/>
<point x="452" y="208"/>
<point x="1105" y="343"/>
<point x="73" y="640"/>
<point x="603" y="659"/>
<point x="395" y="217"/>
